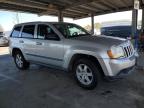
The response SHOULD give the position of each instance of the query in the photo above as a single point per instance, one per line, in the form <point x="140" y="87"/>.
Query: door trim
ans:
<point x="56" y="59"/>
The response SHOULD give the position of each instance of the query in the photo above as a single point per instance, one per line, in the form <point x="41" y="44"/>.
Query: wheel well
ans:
<point x="89" y="57"/>
<point x="15" y="50"/>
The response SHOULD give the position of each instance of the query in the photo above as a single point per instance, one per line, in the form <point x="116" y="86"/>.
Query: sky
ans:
<point x="8" y="19"/>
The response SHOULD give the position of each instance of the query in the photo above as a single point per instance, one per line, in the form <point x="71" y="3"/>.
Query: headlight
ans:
<point x="115" y="52"/>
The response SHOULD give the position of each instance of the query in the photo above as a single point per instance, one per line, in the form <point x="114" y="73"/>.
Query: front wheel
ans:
<point x="86" y="73"/>
<point x="20" y="61"/>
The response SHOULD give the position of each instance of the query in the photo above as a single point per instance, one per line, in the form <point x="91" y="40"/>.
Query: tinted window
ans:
<point x="16" y="32"/>
<point x="45" y="32"/>
<point x="28" y="31"/>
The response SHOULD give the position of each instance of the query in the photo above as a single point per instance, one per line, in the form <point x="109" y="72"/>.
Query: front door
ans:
<point x="49" y="47"/>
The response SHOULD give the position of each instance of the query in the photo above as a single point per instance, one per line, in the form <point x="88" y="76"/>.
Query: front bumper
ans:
<point x="123" y="73"/>
<point x="119" y="67"/>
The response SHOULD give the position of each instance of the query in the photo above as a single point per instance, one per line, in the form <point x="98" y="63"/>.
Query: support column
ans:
<point x="142" y="26"/>
<point x="92" y="23"/>
<point x="134" y="27"/>
<point x="60" y="16"/>
<point x="134" y="21"/>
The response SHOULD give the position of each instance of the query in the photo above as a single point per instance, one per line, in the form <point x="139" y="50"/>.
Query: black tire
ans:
<point x="94" y="70"/>
<point x="25" y="65"/>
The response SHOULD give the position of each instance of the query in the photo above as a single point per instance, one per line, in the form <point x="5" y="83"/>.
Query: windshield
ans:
<point x="71" y="30"/>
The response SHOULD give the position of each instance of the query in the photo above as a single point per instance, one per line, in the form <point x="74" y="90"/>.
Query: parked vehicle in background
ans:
<point x="70" y="47"/>
<point x="118" y="31"/>
<point x="123" y="32"/>
<point x="3" y="40"/>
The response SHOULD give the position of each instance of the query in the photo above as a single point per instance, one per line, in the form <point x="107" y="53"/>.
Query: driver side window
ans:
<point x="45" y="32"/>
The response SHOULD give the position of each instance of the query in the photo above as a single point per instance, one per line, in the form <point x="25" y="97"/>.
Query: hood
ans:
<point x="101" y="40"/>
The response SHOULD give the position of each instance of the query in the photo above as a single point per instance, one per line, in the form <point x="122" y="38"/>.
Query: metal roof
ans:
<point x="71" y="8"/>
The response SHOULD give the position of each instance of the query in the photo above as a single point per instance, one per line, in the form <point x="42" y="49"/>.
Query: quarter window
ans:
<point x="16" y="32"/>
<point x="28" y="31"/>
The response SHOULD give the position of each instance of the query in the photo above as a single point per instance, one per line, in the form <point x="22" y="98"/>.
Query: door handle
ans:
<point x="38" y="43"/>
<point x="21" y="41"/>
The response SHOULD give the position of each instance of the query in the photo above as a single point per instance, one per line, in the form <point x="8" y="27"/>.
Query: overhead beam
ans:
<point x="87" y="11"/>
<point x="32" y="4"/>
<point x="108" y="4"/>
<point x="67" y="11"/>
<point x="100" y="6"/>
<point x="54" y="2"/>
<point x="20" y="9"/>
<point x="105" y="3"/>
<point x="88" y="8"/>
<point x="72" y="13"/>
<point x="66" y="1"/>
<point x="72" y="9"/>
<point x="124" y="3"/>
<point x="81" y="2"/>
<point x="33" y="1"/>
<point x="76" y="11"/>
<point x="24" y="3"/>
<point x="29" y="3"/>
<point x="107" y="12"/>
<point x="96" y="7"/>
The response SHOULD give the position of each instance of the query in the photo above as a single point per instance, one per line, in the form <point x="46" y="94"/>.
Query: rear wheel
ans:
<point x="20" y="61"/>
<point x="86" y="73"/>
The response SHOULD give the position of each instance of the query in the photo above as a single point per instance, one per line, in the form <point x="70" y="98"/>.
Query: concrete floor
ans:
<point x="41" y="87"/>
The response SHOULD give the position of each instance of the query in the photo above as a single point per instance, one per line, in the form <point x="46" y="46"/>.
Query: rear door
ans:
<point x="15" y="38"/>
<point x="28" y="42"/>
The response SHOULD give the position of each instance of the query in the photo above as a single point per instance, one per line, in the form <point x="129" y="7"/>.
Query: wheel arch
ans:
<point x="14" y="50"/>
<point x="90" y="57"/>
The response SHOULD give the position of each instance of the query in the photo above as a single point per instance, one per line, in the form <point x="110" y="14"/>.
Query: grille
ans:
<point x="128" y="50"/>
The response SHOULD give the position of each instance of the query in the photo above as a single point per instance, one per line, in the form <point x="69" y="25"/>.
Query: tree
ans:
<point x="97" y="26"/>
<point x="88" y="27"/>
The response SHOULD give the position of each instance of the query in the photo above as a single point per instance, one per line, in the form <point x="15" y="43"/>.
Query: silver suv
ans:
<point x="69" y="47"/>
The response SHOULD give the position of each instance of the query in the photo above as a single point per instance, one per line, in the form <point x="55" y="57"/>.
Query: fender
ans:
<point x="97" y="53"/>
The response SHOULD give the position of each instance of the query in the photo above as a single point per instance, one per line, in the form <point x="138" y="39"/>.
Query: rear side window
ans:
<point x="28" y="31"/>
<point x="16" y="32"/>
